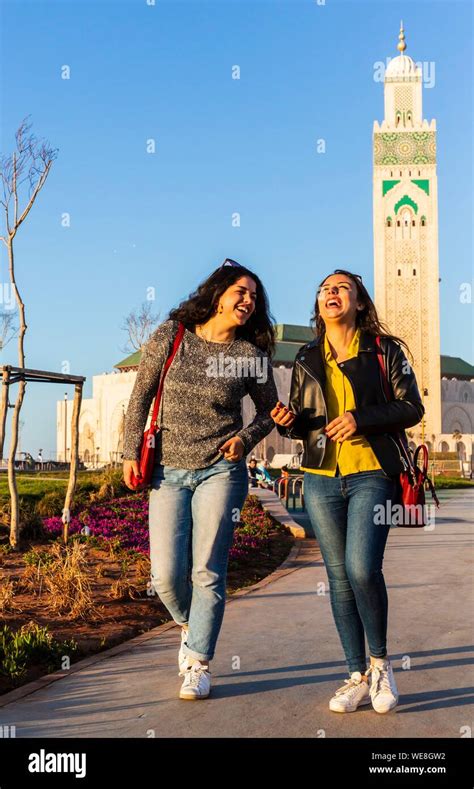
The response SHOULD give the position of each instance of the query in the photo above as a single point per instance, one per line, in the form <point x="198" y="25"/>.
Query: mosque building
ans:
<point x="406" y="295"/>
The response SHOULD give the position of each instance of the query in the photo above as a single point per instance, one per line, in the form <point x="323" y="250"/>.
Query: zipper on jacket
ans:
<point x="311" y="375"/>
<point x="404" y="463"/>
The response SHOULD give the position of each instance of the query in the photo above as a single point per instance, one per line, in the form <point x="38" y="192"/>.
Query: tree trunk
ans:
<point x="15" y="513"/>
<point x="15" y="510"/>
<point x="66" y="516"/>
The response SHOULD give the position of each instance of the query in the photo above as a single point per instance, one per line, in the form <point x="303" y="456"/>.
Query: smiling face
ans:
<point x="337" y="299"/>
<point x="238" y="301"/>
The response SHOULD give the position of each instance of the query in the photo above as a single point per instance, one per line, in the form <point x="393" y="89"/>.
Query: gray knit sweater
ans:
<point x="201" y="402"/>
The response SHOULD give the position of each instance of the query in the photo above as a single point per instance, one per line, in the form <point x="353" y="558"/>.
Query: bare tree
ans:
<point x="139" y="326"/>
<point x="7" y="328"/>
<point x="23" y="175"/>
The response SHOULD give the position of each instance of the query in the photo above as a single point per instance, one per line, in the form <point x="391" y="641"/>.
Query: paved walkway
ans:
<point x="279" y="659"/>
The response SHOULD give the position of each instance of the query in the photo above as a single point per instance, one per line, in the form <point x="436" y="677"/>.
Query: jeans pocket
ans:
<point x="157" y="473"/>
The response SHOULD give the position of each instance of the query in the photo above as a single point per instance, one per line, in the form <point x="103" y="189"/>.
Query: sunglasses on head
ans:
<point x="230" y="262"/>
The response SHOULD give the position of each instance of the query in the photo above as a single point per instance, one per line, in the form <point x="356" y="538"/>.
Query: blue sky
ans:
<point x="163" y="220"/>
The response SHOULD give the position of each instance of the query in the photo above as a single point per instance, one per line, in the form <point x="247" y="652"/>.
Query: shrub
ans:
<point x="31" y="644"/>
<point x="63" y="575"/>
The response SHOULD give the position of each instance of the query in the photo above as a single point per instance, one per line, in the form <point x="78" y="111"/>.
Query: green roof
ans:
<point x="290" y="337"/>
<point x="454" y="367"/>
<point x="289" y="332"/>
<point x="131" y="361"/>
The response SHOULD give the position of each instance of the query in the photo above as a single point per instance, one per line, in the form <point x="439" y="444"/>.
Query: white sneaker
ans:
<point x="353" y="693"/>
<point x="383" y="688"/>
<point x="197" y="682"/>
<point x="184" y="661"/>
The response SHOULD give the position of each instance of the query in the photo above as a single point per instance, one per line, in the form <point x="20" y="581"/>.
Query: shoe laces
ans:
<point x="349" y="686"/>
<point x="380" y="679"/>
<point x="194" y="674"/>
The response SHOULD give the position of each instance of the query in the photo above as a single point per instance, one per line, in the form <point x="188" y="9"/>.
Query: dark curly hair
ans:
<point x="367" y="319"/>
<point x="201" y="304"/>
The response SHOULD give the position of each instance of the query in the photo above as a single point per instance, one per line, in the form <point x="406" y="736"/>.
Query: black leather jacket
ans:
<point x="376" y="418"/>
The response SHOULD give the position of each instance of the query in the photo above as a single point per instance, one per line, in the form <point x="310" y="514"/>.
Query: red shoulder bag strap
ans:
<point x="176" y="344"/>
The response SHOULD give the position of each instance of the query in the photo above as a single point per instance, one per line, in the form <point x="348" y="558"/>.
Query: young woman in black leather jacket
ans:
<point x="352" y="460"/>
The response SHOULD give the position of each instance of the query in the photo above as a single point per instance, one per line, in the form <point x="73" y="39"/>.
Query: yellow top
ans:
<point x="355" y="453"/>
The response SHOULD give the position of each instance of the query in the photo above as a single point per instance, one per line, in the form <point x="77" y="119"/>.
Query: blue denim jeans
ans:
<point x="352" y="543"/>
<point x="192" y="516"/>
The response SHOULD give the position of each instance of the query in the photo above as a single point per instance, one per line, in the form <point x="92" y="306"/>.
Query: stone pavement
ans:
<point x="279" y="660"/>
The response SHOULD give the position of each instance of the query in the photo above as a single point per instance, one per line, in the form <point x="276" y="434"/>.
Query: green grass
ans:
<point x="49" y="481"/>
<point x="452" y="482"/>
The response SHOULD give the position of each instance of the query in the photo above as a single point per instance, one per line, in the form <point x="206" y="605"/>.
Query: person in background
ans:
<point x="252" y="472"/>
<point x="263" y="475"/>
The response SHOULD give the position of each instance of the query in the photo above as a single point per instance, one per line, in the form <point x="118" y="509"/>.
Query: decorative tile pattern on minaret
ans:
<point x="405" y="210"/>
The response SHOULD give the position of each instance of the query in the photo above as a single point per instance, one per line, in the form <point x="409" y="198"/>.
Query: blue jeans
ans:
<point x="192" y="516"/>
<point x="352" y="543"/>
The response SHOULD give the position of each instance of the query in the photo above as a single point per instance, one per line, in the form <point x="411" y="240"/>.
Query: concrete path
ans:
<point x="279" y="659"/>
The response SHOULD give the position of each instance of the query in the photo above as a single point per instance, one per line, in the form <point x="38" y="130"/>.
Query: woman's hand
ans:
<point x="282" y="415"/>
<point x="128" y="467"/>
<point x="233" y="449"/>
<point x="341" y="427"/>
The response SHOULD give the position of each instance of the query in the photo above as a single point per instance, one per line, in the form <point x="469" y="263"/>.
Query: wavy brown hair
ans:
<point x="367" y="319"/>
<point x="201" y="305"/>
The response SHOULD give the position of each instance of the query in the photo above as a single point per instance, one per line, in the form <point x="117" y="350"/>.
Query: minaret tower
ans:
<point x="405" y="201"/>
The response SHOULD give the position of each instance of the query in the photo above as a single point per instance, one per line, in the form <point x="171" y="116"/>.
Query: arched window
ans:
<point x="423" y="221"/>
<point x="389" y="221"/>
<point x="399" y="272"/>
<point x="414" y="272"/>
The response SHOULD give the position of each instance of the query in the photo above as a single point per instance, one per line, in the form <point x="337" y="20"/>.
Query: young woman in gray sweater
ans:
<point x="199" y="483"/>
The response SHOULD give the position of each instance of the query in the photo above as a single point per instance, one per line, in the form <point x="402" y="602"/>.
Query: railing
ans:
<point x="289" y="486"/>
<point x="37" y="465"/>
